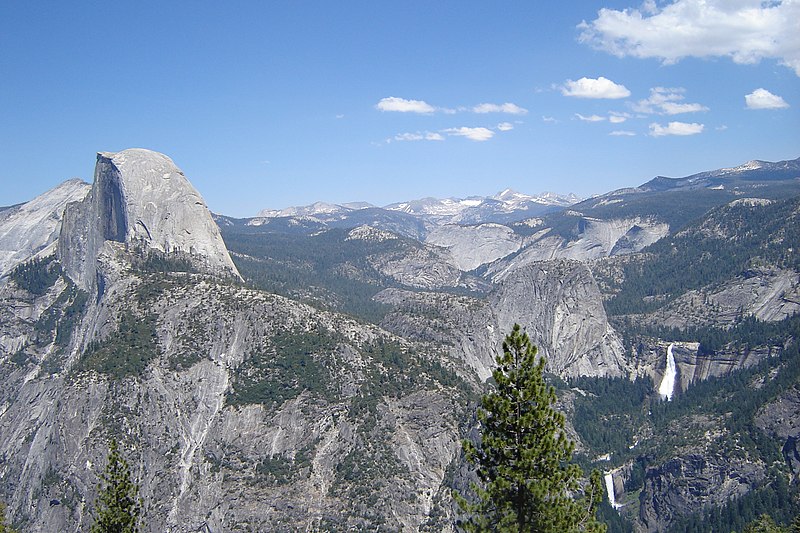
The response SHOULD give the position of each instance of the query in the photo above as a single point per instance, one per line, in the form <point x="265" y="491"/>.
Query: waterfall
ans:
<point x="667" y="387"/>
<point x="612" y="499"/>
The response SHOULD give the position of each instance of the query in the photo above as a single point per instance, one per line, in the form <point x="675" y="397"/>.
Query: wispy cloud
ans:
<point x="402" y="105"/>
<point x="418" y="136"/>
<point x="763" y="99"/>
<point x="512" y="109"/>
<point x="676" y="128"/>
<point x="474" y="134"/>
<point x="590" y="118"/>
<point x="666" y="101"/>
<point x="551" y="120"/>
<point x="747" y="31"/>
<point x="505" y="126"/>
<point x="594" y="88"/>
<point x="616" y="117"/>
<point x="622" y="133"/>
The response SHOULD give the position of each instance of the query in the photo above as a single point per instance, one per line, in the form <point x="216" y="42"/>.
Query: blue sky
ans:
<point x="272" y="104"/>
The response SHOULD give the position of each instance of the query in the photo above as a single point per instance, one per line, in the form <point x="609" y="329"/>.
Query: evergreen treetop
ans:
<point x="118" y="505"/>
<point x="526" y="481"/>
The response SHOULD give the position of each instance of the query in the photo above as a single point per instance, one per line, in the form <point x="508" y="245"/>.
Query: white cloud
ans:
<point x="418" y="136"/>
<point x="676" y="128"/>
<point x="594" y="88"/>
<point x="747" y="31"/>
<point x="623" y="133"/>
<point x="672" y="108"/>
<point x="552" y="120"/>
<point x="763" y="99"/>
<point x="402" y="105"/>
<point x="473" y="134"/>
<point x="617" y="118"/>
<point x="512" y="109"/>
<point x="666" y="101"/>
<point x="590" y="118"/>
<point x="505" y="126"/>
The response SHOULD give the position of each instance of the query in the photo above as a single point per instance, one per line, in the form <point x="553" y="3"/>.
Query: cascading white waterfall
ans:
<point x="667" y="387"/>
<point x="612" y="499"/>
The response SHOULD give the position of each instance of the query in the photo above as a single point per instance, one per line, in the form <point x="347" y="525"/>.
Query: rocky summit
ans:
<point x="317" y="371"/>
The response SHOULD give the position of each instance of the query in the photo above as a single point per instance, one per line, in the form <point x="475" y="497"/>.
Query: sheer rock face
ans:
<point x="693" y="481"/>
<point x="140" y="196"/>
<point x="559" y="305"/>
<point x="33" y="227"/>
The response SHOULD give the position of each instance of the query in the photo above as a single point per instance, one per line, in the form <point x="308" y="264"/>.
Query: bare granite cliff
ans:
<point x="33" y="227"/>
<point x="140" y="197"/>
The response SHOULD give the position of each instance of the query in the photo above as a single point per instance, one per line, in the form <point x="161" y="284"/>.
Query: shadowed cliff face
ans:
<point x="112" y="204"/>
<point x="140" y="197"/>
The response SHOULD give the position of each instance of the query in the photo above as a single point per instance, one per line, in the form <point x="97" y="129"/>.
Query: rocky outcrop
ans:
<point x="779" y="420"/>
<point x="691" y="364"/>
<point x="693" y="481"/>
<point x="140" y="197"/>
<point x="559" y="305"/>
<point x="557" y="302"/>
<point x="473" y="246"/>
<point x="33" y="227"/>
<point x="590" y="239"/>
<point x="768" y="294"/>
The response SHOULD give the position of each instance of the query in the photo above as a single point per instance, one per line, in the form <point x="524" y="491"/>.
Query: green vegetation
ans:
<point x="37" y="275"/>
<point x="296" y="362"/>
<point x="127" y="351"/>
<point x="728" y="242"/>
<point x="118" y="507"/>
<point x="526" y="480"/>
<point x="149" y="260"/>
<point x="608" y="417"/>
<point x="325" y="269"/>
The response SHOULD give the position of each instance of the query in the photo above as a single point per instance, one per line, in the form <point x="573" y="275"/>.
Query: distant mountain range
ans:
<point x="504" y="206"/>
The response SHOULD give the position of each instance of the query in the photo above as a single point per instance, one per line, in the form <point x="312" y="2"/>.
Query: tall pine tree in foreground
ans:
<point x="118" y="505"/>
<point x="526" y="481"/>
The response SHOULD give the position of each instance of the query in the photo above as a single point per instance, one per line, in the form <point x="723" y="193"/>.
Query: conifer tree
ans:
<point x="526" y="481"/>
<point x="118" y="505"/>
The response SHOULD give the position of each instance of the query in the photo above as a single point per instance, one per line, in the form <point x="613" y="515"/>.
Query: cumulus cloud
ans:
<point x="763" y="99"/>
<point x="594" y="88"/>
<point x="512" y="109"/>
<point x="505" y="126"/>
<point x="747" y="31"/>
<point x="622" y="133"/>
<point x="676" y="128"/>
<point x="667" y="101"/>
<point x="473" y="134"/>
<point x="590" y="118"/>
<point x="402" y="105"/>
